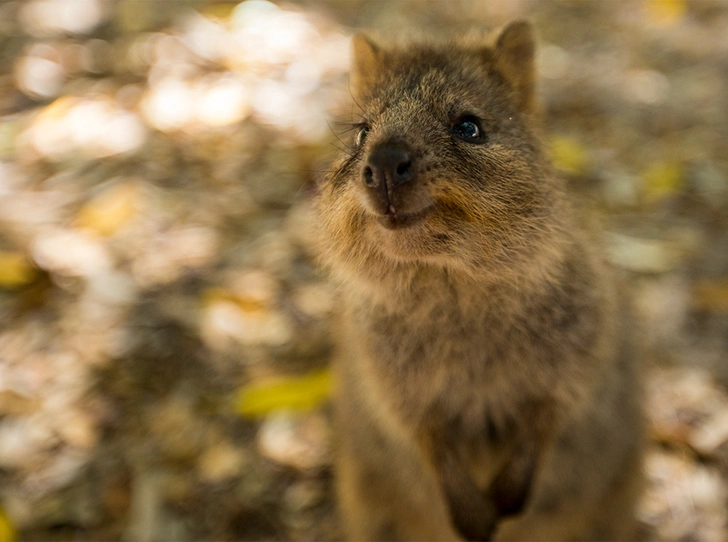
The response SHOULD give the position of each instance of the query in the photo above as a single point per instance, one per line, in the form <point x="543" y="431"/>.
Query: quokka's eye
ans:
<point x="468" y="129"/>
<point x="361" y="135"/>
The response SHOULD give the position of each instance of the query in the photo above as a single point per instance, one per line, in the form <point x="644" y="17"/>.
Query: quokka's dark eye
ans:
<point x="361" y="135"/>
<point x="468" y="129"/>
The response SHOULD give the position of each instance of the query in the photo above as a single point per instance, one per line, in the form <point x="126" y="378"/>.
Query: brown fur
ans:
<point x="487" y="383"/>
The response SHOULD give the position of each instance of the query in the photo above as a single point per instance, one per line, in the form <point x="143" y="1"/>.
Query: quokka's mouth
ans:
<point x="395" y="220"/>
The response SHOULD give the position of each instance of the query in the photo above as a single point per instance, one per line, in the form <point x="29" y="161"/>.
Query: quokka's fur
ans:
<point x="487" y="384"/>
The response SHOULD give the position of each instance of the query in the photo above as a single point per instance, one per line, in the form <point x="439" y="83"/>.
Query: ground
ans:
<point x="164" y="332"/>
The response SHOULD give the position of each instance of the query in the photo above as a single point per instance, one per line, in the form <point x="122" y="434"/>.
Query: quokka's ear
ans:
<point x="514" y="56"/>
<point x="366" y="61"/>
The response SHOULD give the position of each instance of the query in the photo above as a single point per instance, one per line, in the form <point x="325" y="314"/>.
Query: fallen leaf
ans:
<point x="57" y="110"/>
<point x="246" y="303"/>
<point x="665" y="12"/>
<point x="108" y="211"/>
<point x="711" y="295"/>
<point x="8" y="138"/>
<point x="7" y="531"/>
<point x="569" y="154"/>
<point x="12" y="402"/>
<point x="301" y="442"/>
<point x="292" y="393"/>
<point x="134" y="15"/>
<point x="642" y="255"/>
<point x="15" y="270"/>
<point x="669" y="431"/>
<point x="708" y="437"/>
<point x="218" y="11"/>
<point x="662" y="179"/>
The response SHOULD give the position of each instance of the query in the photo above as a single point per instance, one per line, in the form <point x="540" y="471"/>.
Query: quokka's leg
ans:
<point x="589" y="476"/>
<point x="387" y="490"/>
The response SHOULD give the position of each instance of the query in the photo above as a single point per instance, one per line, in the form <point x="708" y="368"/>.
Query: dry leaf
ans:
<point x="642" y="255"/>
<point x="569" y="154"/>
<point x="14" y="403"/>
<point x="710" y="436"/>
<point x="665" y="12"/>
<point x="7" y="531"/>
<point x="248" y="304"/>
<point x="292" y="393"/>
<point x="15" y="270"/>
<point x="711" y="295"/>
<point x="110" y="210"/>
<point x="662" y="179"/>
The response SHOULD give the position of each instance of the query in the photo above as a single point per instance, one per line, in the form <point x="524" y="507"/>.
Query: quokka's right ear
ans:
<point x="366" y="61"/>
<point x="515" y="52"/>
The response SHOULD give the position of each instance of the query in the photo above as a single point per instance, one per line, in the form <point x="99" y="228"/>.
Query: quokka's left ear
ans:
<point x="366" y="63"/>
<point x="514" y="56"/>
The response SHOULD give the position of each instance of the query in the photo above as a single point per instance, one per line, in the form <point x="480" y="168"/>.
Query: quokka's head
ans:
<point x="446" y="167"/>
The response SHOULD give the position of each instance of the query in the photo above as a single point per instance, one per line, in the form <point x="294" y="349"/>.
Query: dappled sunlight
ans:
<point x="40" y="72"/>
<point x="96" y="128"/>
<point x="281" y="66"/>
<point x="44" y="18"/>
<point x="209" y="102"/>
<point x="165" y="333"/>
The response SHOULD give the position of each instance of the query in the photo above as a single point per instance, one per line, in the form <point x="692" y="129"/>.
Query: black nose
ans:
<point x="385" y="169"/>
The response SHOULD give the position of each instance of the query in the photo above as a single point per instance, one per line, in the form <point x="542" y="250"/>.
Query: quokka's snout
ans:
<point x="392" y="182"/>
<point x="387" y="167"/>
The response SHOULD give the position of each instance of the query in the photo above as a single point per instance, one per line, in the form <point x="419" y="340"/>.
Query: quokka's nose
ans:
<point x="386" y="168"/>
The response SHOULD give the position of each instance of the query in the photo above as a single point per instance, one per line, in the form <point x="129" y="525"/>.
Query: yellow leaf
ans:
<point x="7" y="531"/>
<point x="15" y="270"/>
<point x="108" y="211"/>
<point x="135" y="15"/>
<point x="57" y="110"/>
<point x="218" y="11"/>
<point x="8" y="137"/>
<point x="293" y="393"/>
<point x="662" y="179"/>
<point x="246" y="303"/>
<point x="665" y="12"/>
<point x="711" y="295"/>
<point x="568" y="154"/>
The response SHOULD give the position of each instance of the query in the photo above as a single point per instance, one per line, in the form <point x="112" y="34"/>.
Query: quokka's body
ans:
<point x="487" y="384"/>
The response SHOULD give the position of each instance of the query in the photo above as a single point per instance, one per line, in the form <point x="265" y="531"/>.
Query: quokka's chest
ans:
<point x="474" y="371"/>
<point x="462" y="356"/>
<point x="428" y="335"/>
<point x="446" y="375"/>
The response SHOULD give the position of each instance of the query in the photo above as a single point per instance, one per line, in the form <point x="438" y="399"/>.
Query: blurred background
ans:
<point x="164" y="332"/>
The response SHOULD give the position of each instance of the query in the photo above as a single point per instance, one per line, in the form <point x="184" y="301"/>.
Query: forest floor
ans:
<point x="164" y="332"/>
